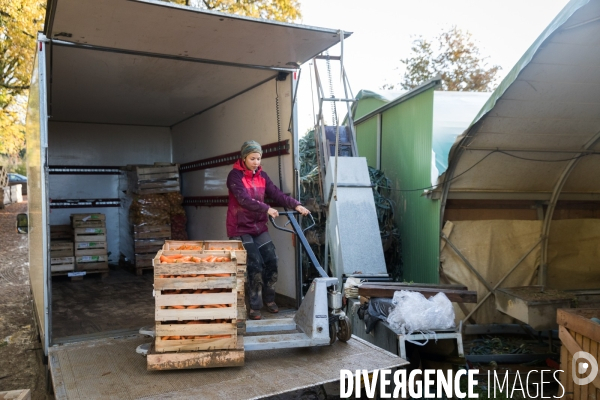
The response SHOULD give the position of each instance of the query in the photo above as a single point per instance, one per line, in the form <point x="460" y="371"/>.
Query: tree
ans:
<point x="457" y="60"/>
<point x="279" y="10"/>
<point x="19" y="22"/>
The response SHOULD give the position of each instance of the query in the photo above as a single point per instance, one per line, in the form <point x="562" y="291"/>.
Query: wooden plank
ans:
<point x="91" y="252"/>
<point x="144" y="170"/>
<point x="88" y="217"/>
<point x="62" y="267"/>
<point x="139" y="249"/>
<point x="162" y="346"/>
<point x="578" y="320"/>
<point x="62" y="260"/>
<point x="457" y="296"/>
<point x="585" y="389"/>
<point x="91" y="259"/>
<point x="175" y="244"/>
<point x="61" y="245"/>
<point x="221" y="328"/>
<point x="158" y="176"/>
<point x="159" y="190"/>
<point x="90" y="237"/>
<point x="90" y="231"/>
<point x="196" y="359"/>
<point x="150" y="228"/>
<point x="62" y="253"/>
<point x="195" y="314"/>
<point x="564" y="367"/>
<point x="419" y="285"/>
<point x="90" y="245"/>
<point x="143" y="263"/>
<point x="194" y="283"/>
<point x="195" y="299"/>
<point x="92" y="267"/>
<point x="222" y="244"/>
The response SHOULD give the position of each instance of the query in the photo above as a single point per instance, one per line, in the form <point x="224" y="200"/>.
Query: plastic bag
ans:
<point x="150" y="209"/>
<point x="412" y="312"/>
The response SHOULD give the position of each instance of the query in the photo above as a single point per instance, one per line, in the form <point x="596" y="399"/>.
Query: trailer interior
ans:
<point x="139" y="82"/>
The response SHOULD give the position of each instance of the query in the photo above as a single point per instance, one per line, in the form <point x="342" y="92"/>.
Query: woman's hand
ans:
<point x="273" y="212"/>
<point x="302" y="210"/>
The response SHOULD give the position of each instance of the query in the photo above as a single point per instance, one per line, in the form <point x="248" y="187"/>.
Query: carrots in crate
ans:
<point x="189" y="247"/>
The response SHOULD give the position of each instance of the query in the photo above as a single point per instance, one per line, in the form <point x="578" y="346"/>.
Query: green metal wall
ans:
<point x="366" y="133"/>
<point x="406" y="145"/>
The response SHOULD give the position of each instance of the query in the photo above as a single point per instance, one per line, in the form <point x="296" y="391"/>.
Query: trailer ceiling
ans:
<point x="547" y="109"/>
<point x="155" y="63"/>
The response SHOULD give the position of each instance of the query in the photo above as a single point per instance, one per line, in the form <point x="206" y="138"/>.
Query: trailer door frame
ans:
<point x="37" y="194"/>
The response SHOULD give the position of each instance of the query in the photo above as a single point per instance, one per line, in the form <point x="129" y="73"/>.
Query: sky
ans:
<point x="383" y="30"/>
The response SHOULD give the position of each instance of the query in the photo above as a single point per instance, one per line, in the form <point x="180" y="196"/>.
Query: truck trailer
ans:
<point x="136" y="82"/>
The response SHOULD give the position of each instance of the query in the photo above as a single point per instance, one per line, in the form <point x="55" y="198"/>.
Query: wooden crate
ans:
<point x="88" y="220"/>
<point x="578" y="333"/>
<point x="90" y="234"/>
<point x="196" y="359"/>
<point x="61" y="264"/>
<point x="91" y="248"/>
<point x="61" y="249"/>
<point x="61" y="232"/>
<point x="148" y="179"/>
<point x="151" y="232"/>
<point x="145" y="246"/>
<point x="196" y="310"/>
<point x="176" y="244"/>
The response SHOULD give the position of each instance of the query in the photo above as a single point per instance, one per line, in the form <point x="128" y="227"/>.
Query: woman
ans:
<point x="247" y="216"/>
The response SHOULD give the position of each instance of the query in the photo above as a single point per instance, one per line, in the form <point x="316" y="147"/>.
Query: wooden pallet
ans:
<point x="103" y="273"/>
<point x="153" y="179"/>
<point x="196" y="359"/>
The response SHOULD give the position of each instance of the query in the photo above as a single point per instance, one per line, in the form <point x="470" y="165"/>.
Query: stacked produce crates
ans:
<point x="91" y="246"/>
<point x="155" y="201"/>
<point x="198" y="290"/>
<point x="62" y="260"/>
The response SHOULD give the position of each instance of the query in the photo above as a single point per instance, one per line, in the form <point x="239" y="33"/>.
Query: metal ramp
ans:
<point x="110" y="369"/>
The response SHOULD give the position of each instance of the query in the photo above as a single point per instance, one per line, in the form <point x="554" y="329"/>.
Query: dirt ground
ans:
<point x="21" y="356"/>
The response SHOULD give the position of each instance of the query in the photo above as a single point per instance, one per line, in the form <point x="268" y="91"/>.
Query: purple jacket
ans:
<point x="247" y="210"/>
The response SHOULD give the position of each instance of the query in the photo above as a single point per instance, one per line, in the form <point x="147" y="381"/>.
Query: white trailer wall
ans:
<point x="80" y="144"/>
<point x="223" y="129"/>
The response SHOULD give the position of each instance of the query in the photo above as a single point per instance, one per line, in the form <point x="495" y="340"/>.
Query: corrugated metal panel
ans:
<point x="366" y="141"/>
<point x="406" y="159"/>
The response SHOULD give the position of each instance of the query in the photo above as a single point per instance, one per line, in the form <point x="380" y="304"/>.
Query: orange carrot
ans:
<point x="178" y="307"/>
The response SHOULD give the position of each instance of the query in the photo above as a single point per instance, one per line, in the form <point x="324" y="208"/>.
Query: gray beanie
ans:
<point x="251" y="146"/>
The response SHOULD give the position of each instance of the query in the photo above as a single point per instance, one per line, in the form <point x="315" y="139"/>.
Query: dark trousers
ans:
<point x="261" y="266"/>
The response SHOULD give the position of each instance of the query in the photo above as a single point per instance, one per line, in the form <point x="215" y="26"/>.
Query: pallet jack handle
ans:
<point x="300" y="232"/>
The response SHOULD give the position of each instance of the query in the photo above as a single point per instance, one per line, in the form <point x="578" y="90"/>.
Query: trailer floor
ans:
<point x="122" y="301"/>
<point x="111" y="369"/>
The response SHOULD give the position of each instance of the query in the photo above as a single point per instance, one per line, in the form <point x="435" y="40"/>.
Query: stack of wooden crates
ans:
<point x="200" y="312"/>
<point x="62" y="260"/>
<point x="151" y="179"/>
<point x="91" y="249"/>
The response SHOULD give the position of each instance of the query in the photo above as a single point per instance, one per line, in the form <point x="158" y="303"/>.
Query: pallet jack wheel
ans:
<point x="345" y="331"/>
<point x="332" y="333"/>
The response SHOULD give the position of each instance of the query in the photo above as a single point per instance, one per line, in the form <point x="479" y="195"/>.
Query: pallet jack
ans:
<point x="318" y="322"/>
